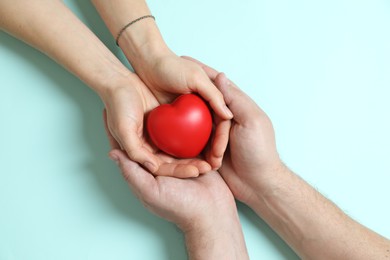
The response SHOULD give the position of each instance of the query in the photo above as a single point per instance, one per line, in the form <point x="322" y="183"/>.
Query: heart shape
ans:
<point x="181" y="129"/>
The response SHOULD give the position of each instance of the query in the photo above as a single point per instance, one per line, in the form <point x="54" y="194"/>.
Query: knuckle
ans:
<point x="261" y="121"/>
<point x="219" y="95"/>
<point x="197" y="76"/>
<point x="132" y="153"/>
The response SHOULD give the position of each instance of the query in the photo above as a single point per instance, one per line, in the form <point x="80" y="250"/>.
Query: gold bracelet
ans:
<point x="132" y="22"/>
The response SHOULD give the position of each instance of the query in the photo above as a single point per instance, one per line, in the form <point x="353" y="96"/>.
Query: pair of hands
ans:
<point x="158" y="83"/>
<point x="250" y="160"/>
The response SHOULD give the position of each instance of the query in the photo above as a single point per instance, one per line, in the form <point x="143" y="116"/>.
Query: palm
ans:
<point x="177" y="200"/>
<point x="190" y="198"/>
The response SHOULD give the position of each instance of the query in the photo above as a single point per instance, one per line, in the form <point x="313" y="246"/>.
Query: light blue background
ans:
<point x="320" y="69"/>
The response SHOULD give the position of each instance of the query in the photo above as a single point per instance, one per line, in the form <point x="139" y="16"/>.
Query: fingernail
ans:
<point x="205" y="168"/>
<point x="228" y="112"/>
<point x="216" y="168"/>
<point x="150" y="166"/>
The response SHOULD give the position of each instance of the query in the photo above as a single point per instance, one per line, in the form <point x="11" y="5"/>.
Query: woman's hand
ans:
<point x="168" y="75"/>
<point x="165" y="74"/>
<point x="126" y="104"/>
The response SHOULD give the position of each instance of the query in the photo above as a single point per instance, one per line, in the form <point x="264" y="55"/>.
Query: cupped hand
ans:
<point x="189" y="203"/>
<point x="168" y="75"/>
<point x="251" y="158"/>
<point x="126" y="105"/>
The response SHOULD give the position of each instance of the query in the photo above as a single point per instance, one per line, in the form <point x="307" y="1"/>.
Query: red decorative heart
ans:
<point x="182" y="128"/>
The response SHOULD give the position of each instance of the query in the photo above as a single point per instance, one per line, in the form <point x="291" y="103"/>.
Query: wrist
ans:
<point x="220" y="237"/>
<point x="110" y="80"/>
<point x="142" y="43"/>
<point x="269" y="180"/>
<point x="272" y="188"/>
<point x="117" y="83"/>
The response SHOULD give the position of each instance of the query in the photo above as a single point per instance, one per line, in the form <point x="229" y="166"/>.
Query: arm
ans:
<point x="222" y="239"/>
<point x="51" y="27"/>
<point x="140" y="42"/>
<point x="312" y="225"/>
<point x="151" y="58"/>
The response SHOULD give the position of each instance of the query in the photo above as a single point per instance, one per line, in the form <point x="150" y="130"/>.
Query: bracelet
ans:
<point x="132" y="22"/>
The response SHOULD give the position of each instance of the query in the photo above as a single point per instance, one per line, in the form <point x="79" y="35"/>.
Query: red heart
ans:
<point x="182" y="128"/>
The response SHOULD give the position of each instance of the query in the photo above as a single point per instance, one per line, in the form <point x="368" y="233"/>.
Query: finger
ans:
<point x="202" y="165"/>
<point x="136" y="149"/>
<point x="211" y="73"/>
<point x="113" y="143"/>
<point x="214" y="97"/>
<point x="141" y="181"/>
<point x="209" y="92"/>
<point x="219" y="143"/>
<point x="177" y="170"/>
<point x="181" y="168"/>
<point x="242" y="106"/>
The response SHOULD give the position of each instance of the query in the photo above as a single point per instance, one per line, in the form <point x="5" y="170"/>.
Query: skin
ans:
<point x="51" y="27"/>
<point x="193" y="204"/>
<point x="251" y="168"/>
<point x="312" y="225"/>
<point x="166" y="74"/>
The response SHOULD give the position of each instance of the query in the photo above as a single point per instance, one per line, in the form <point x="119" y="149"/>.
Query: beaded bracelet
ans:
<point x="132" y="22"/>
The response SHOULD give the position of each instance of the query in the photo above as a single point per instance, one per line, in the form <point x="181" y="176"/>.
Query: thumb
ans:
<point x="214" y="97"/>
<point x="136" y="149"/>
<point x="242" y="106"/>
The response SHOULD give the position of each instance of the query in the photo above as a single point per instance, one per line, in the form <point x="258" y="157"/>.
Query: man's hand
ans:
<point x="311" y="224"/>
<point x="203" y="207"/>
<point x="251" y="156"/>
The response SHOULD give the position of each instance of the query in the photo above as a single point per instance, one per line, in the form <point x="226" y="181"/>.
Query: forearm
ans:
<point x="51" y="27"/>
<point x="142" y="41"/>
<point x="312" y="225"/>
<point x="221" y="238"/>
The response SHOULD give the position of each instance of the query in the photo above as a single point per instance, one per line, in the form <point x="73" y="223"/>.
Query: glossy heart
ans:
<point x="182" y="128"/>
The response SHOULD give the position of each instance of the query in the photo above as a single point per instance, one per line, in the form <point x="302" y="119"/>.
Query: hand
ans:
<point x="185" y="202"/>
<point x="203" y="208"/>
<point x="126" y="105"/>
<point x="255" y="174"/>
<point x="177" y="200"/>
<point x="168" y="75"/>
<point x="251" y="158"/>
